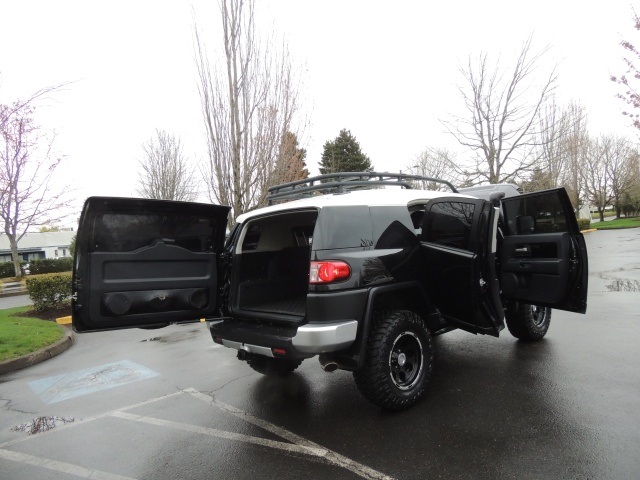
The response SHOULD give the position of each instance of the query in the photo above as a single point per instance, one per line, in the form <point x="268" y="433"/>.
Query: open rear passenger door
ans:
<point x="543" y="254"/>
<point x="458" y="246"/>
<point x="145" y="263"/>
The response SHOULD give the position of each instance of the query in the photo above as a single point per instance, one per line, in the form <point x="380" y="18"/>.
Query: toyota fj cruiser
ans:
<point x="360" y="269"/>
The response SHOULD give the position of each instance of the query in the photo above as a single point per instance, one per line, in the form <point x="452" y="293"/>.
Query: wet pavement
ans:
<point x="169" y="403"/>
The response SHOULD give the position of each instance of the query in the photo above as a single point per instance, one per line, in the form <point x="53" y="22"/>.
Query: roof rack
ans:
<point x="342" y="182"/>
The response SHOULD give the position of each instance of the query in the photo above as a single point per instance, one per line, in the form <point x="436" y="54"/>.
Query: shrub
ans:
<point x="6" y="270"/>
<point x="584" y="223"/>
<point x="49" y="291"/>
<point x="51" y="265"/>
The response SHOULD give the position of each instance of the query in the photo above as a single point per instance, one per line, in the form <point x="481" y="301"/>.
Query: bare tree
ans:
<point x="595" y="173"/>
<point x="575" y="145"/>
<point x="166" y="174"/>
<point x="554" y="127"/>
<point x="622" y="170"/>
<point x="19" y="107"/>
<point x="435" y="163"/>
<point x="27" y="165"/>
<point x="501" y="127"/>
<point x="249" y="101"/>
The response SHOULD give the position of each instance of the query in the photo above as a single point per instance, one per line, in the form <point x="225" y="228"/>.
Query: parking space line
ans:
<point x="214" y="432"/>
<point x="84" y="421"/>
<point x="329" y="455"/>
<point x="66" y="468"/>
<point x="298" y="444"/>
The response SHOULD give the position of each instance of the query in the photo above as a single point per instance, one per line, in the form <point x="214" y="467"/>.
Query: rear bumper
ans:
<point x="325" y="338"/>
<point x="302" y="342"/>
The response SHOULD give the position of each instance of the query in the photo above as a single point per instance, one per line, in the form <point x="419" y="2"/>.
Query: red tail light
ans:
<point x="327" y="272"/>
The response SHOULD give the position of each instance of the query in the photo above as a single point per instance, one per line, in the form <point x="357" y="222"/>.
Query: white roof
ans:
<point x="370" y="197"/>
<point x="40" y="240"/>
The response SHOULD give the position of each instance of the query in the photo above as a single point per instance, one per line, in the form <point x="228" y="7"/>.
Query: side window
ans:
<point x="252" y="237"/>
<point x="449" y="223"/>
<point x="533" y="213"/>
<point x="417" y="219"/>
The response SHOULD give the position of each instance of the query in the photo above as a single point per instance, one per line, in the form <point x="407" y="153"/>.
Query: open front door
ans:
<point x="544" y="257"/>
<point x="145" y="263"/>
<point x="458" y="245"/>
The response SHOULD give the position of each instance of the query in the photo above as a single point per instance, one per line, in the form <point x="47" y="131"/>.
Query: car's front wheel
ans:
<point x="528" y="322"/>
<point x="398" y="361"/>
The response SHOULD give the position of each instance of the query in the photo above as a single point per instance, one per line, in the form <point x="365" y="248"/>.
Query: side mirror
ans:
<point x="526" y="224"/>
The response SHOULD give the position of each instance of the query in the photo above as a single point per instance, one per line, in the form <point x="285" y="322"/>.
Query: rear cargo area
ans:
<point x="271" y="266"/>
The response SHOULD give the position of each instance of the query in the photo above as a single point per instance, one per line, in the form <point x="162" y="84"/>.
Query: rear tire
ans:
<point x="398" y="361"/>
<point x="273" y="367"/>
<point x="528" y="322"/>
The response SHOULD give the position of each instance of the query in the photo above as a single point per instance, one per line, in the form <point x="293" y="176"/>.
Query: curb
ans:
<point x="63" y="320"/>
<point x="15" y="293"/>
<point x="38" y="356"/>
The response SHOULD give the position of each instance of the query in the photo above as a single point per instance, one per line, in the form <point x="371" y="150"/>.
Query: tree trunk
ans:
<point x="14" y="255"/>
<point x="601" y="213"/>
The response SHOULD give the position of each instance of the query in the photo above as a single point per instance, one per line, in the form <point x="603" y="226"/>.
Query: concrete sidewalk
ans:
<point x="13" y="300"/>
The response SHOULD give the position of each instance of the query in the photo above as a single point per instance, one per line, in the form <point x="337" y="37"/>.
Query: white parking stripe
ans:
<point x="84" y="421"/>
<point x="214" y="432"/>
<point x="298" y="444"/>
<point x="66" y="468"/>
<point x="331" y="456"/>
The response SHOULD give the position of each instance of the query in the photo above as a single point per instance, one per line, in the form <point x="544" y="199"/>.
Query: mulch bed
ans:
<point x="47" y="314"/>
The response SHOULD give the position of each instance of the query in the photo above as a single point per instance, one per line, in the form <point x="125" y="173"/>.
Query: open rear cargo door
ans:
<point x="145" y="263"/>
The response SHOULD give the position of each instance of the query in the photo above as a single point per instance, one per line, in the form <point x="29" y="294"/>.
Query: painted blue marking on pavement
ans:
<point x="83" y="382"/>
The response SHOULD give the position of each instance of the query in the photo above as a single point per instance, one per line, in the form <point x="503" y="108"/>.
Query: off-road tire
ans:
<point x="273" y="367"/>
<point x="528" y="322"/>
<point x="398" y="361"/>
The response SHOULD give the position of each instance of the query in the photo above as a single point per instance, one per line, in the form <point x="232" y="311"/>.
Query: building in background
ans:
<point x="35" y="246"/>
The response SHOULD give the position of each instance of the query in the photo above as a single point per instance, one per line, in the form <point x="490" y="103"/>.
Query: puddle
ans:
<point x="624" y="286"/>
<point x="174" y="337"/>
<point x="41" y="424"/>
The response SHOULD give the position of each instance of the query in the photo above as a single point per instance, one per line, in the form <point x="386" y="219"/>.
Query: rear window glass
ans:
<point x="126" y="232"/>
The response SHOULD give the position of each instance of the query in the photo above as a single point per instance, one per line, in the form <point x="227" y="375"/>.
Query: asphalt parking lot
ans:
<point x="169" y="403"/>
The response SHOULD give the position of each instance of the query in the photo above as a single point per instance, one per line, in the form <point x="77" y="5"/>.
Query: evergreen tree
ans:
<point x="344" y="155"/>
<point x="291" y="163"/>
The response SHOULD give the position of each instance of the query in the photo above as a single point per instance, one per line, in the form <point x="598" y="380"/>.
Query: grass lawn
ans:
<point x="618" y="223"/>
<point x="22" y="335"/>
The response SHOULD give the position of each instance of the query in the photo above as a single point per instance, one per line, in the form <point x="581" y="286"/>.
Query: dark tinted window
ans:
<point x="544" y="209"/>
<point x="343" y="227"/>
<point x="126" y="232"/>
<point x="252" y="237"/>
<point x="449" y="223"/>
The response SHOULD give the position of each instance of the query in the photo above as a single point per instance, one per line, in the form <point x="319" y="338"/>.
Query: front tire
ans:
<point x="528" y="322"/>
<point x="398" y="361"/>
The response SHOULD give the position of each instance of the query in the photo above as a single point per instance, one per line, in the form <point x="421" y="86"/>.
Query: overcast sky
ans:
<point x="387" y="71"/>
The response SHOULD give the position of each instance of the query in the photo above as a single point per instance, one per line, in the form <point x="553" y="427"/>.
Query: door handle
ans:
<point x="522" y="249"/>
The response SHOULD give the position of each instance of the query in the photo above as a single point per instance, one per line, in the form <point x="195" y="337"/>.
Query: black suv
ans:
<point x="357" y="268"/>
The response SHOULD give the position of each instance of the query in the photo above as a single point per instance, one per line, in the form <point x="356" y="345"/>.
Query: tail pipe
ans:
<point x="327" y="363"/>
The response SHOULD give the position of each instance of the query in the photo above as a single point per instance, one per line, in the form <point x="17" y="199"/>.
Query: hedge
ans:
<point x="7" y="270"/>
<point x="50" y="265"/>
<point x="37" y="267"/>
<point x="50" y="290"/>
<point x="584" y="223"/>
